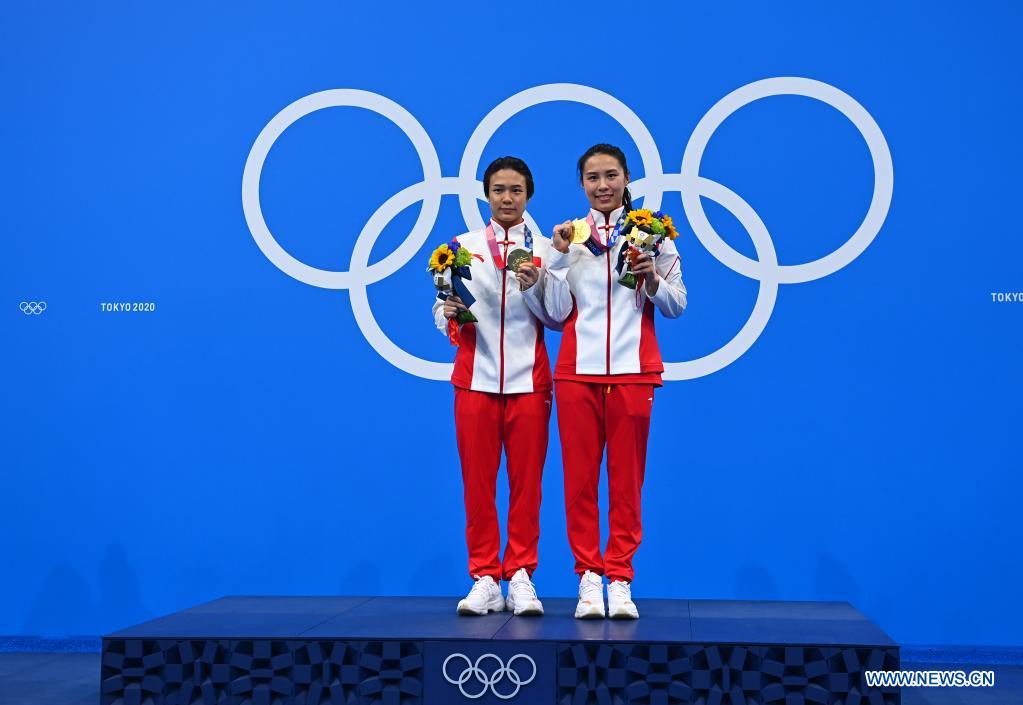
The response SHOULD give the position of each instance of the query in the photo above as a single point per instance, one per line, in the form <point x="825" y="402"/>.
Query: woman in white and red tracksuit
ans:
<point x="607" y="369"/>
<point x="502" y="382"/>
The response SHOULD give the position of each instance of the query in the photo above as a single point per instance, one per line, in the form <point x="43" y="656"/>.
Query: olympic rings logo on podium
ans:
<point x="32" y="308"/>
<point x="473" y="670"/>
<point x="652" y="186"/>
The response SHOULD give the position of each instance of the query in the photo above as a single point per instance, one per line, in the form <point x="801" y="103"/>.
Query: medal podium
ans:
<point x="416" y="650"/>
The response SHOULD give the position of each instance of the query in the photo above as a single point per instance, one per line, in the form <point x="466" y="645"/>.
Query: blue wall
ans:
<point x="245" y="437"/>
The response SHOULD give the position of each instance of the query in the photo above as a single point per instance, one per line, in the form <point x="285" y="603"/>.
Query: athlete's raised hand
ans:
<point x="563" y="236"/>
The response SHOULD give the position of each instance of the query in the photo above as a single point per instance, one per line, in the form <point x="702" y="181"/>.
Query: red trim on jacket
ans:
<point x="567" y="352"/>
<point x="653" y="378"/>
<point x="541" y="363"/>
<point x="461" y="376"/>
<point x="649" y="352"/>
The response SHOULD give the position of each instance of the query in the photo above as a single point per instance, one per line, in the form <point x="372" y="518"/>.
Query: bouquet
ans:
<point x="644" y="231"/>
<point x="449" y="265"/>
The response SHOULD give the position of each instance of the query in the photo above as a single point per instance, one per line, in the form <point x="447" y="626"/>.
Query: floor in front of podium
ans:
<point x="74" y="678"/>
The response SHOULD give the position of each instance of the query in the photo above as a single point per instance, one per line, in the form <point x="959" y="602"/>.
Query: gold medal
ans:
<point x="580" y="232"/>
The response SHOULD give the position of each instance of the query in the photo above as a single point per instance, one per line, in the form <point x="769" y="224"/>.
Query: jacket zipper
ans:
<point x="607" y="236"/>
<point x="608" y="253"/>
<point x="504" y="292"/>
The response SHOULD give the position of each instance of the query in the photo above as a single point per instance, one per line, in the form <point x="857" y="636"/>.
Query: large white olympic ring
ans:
<point x="651" y="187"/>
<point x="473" y="670"/>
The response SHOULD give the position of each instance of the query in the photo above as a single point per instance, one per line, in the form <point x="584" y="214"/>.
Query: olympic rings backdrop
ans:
<point x="220" y="371"/>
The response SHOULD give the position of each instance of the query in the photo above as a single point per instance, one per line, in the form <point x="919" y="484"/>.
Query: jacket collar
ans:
<point x="599" y="220"/>
<point x="516" y="234"/>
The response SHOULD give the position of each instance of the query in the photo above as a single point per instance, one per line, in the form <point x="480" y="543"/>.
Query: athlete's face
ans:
<point x="507" y="196"/>
<point x="604" y="182"/>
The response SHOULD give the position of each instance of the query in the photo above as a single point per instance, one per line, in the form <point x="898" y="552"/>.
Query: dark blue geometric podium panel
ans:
<point x="405" y="651"/>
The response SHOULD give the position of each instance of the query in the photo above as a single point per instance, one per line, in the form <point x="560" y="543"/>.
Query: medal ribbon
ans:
<point x="593" y="244"/>
<point x="496" y="253"/>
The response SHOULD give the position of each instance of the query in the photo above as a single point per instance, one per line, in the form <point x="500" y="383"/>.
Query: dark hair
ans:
<point x="513" y="163"/>
<point x="611" y="151"/>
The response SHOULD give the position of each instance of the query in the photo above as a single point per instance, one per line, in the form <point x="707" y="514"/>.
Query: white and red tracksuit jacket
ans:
<point x="608" y="328"/>
<point x="504" y="352"/>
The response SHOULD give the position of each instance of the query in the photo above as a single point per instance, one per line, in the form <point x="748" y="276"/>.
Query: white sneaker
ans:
<point x="591" y="597"/>
<point x="485" y="596"/>
<point x="619" y="601"/>
<point x="522" y="599"/>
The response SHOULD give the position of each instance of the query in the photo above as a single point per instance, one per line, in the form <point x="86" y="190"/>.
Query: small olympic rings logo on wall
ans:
<point x="32" y="308"/>
<point x="652" y="186"/>
<point x="473" y="670"/>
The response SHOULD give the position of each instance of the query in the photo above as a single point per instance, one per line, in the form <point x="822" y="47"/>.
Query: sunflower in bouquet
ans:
<point x="449" y="265"/>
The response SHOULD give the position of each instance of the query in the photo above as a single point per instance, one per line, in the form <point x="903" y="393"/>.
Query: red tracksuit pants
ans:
<point x="484" y="423"/>
<point x="591" y="415"/>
